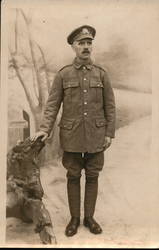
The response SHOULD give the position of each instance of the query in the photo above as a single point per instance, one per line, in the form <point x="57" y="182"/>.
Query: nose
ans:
<point x="86" y="45"/>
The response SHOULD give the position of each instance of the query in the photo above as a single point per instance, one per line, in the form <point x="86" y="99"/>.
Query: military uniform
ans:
<point x="88" y="107"/>
<point x="88" y="115"/>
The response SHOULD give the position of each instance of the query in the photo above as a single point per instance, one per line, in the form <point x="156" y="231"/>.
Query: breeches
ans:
<point x="92" y="163"/>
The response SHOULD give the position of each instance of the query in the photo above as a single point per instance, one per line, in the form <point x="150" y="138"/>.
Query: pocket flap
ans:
<point x="66" y="124"/>
<point x="100" y="122"/>
<point x="96" y="84"/>
<point x="70" y="84"/>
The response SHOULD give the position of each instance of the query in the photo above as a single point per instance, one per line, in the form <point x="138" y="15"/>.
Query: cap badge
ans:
<point x="85" y="31"/>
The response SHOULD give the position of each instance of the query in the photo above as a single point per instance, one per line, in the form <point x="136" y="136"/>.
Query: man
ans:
<point x="87" y="125"/>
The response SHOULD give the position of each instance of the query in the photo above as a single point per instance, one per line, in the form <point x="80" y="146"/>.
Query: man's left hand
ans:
<point x="107" y="143"/>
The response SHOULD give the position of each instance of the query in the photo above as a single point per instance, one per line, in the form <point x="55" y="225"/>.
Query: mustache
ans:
<point x="85" y="51"/>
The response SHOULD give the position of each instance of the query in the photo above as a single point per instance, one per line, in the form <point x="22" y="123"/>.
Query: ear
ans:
<point x="73" y="46"/>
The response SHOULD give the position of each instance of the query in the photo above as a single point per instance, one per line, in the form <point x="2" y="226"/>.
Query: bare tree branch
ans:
<point x="28" y="96"/>
<point x="26" y="58"/>
<point x="40" y="83"/>
<point x="45" y="67"/>
<point x="34" y="83"/>
<point x="16" y="32"/>
<point x="33" y="76"/>
<point x="24" y="16"/>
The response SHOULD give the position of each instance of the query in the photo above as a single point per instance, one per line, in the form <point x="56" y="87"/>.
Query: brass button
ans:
<point x="84" y="90"/>
<point x="84" y="79"/>
<point x="85" y="103"/>
<point x="85" y="113"/>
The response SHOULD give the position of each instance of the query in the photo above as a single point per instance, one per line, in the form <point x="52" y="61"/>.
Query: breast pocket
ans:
<point x="96" y="88"/>
<point x="71" y="89"/>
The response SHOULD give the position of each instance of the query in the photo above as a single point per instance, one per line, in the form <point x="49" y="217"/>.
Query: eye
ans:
<point x="89" y="43"/>
<point x="81" y="43"/>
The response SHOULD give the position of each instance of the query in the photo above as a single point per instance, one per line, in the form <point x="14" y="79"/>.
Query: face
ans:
<point x="83" y="48"/>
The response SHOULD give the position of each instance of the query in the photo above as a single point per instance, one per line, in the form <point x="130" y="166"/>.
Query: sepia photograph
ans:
<point x="78" y="118"/>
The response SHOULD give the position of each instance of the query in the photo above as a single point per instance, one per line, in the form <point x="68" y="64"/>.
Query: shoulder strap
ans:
<point x="98" y="66"/>
<point x="65" y="67"/>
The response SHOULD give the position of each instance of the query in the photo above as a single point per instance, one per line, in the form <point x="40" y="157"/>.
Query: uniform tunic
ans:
<point x="88" y="112"/>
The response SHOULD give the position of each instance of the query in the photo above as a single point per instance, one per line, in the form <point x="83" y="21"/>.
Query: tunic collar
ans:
<point x="78" y="63"/>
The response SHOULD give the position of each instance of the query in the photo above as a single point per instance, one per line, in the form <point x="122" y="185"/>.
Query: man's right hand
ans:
<point x="38" y="134"/>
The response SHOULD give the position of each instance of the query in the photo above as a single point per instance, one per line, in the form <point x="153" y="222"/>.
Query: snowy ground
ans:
<point x="124" y="206"/>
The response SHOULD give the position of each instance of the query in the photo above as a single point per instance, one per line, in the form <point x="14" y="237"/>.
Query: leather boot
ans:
<point x="73" y="190"/>
<point x="93" y="226"/>
<point x="72" y="226"/>
<point x="91" y="191"/>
